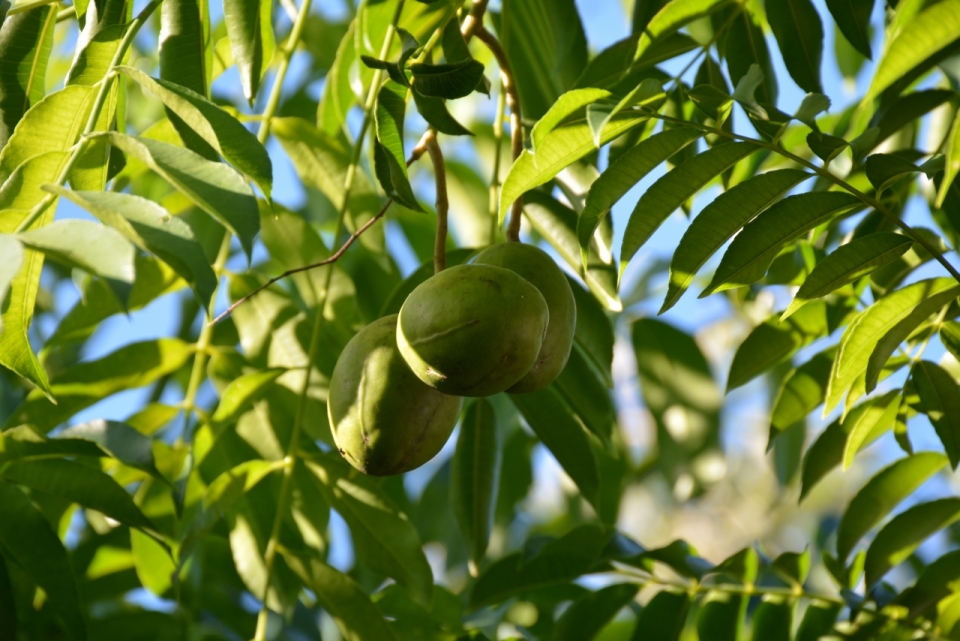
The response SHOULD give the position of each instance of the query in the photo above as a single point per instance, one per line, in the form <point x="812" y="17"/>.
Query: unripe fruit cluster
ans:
<point x="502" y="323"/>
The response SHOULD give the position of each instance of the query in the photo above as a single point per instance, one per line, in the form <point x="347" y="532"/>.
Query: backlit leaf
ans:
<point x="587" y="616"/>
<point x="566" y="106"/>
<point x="390" y="158"/>
<point x="26" y="40"/>
<point x="674" y="15"/>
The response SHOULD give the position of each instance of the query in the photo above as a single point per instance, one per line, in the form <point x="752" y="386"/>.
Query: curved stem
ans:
<point x="291" y="455"/>
<point x="516" y="129"/>
<point x="286" y="54"/>
<point x="828" y="175"/>
<point x="440" y="175"/>
<point x="103" y="91"/>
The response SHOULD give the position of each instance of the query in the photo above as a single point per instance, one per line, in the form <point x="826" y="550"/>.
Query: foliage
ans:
<point x="204" y="508"/>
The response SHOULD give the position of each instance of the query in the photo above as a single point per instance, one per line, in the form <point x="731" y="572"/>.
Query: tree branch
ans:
<point x="440" y="175"/>
<point x="516" y="128"/>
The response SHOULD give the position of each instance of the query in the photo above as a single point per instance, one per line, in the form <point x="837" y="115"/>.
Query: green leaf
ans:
<point x="773" y="619"/>
<point x="26" y="40"/>
<point x="746" y="46"/>
<point x="449" y="81"/>
<point x="119" y="440"/>
<point x="434" y="111"/>
<point x="863" y="333"/>
<point x="585" y="394"/>
<point x="901" y="331"/>
<point x="749" y="255"/>
<point x="564" y="436"/>
<point x="341" y="597"/>
<point x="818" y="620"/>
<point x="185" y="44"/>
<point x="950" y="337"/>
<point x="847" y="264"/>
<point x="242" y="392"/>
<point x="884" y="170"/>
<point x="933" y="584"/>
<point x="96" y="249"/>
<point x="593" y="332"/>
<point x="626" y="172"/>
<point x="799" y="32"/>
<point x="827" y="450"/>
<point x="83" y="385"/>
<point x="27" y="539"/>
<point x="566" y="106"/>
<point x="250" y="29"/>
<point x="546" y="46"/>
<point x="673" y="189"/>
<point x="664" y="617"/>
<point x="12" y="251"/>
<point x="877" y="418"/>
<point x="151" y="228"/>
<point x="901" y="536"/>
<point x="390" y="158"/>
<point x="924" y="35"/>
<point x="887" y="489"/>
<point x="940" y="400"/>
<point x="674" y="15"/>
<point x="214" y="187"/>
<point x="474" y="477"/>
<point x="720" y="220"/>
<point x="24" y="443"/>
<point x="383" y="537"/>
<point x="772" y="342"/>
<point x="557" y="223"/>
<point x="721" y="617"/>
<point x="952" y="168"/>
<point x="561" y="148"/>
<point x="217" y="128"/>
<point x="587" y="616"/>
<point x="853" y="19"/>
<point x="77" y="483"/>
<point x="649" y="93"/>
<point x="154" y="567"/>
<point x="802" y="390"/>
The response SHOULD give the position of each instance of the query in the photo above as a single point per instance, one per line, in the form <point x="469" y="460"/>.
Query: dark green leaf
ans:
<point x="801" y="392"/>
<point x="593" y="332"/>
<point x="825" y="146"/>
<point x="799" y="32"/>
<point x="241" y="392"/>
<point x="434" y="111"/>
<point x="587" y="616"/>
<point x="884" y="170"/>
<point x="754" y="248"/>
<point x="184" y="38"/>
<point x="449" y="81"/>
<point x="853" y="18"/>
<point x="585" y="394"/>
<point x="624" y="173"/>
<point x="720" y="220"/>
<point x="664" y="617"/>
<point x="940" y="401"/>
<point x="952" y="168"/>
<point x="24" y="443"/>
<point x="250" y="28"/>
<point x="881" y="494"/>
<point x="218" y="129"/>
<point x="773" y="619"/>
<point x="673" y="189"/>
<point x="721" y="617"/>
<point x="933" y="584"/>
<point x="847" y="264"/>
<point x="901" y="536"/>
<point x="391" y="163"/>
<point x="26" y="40"/>
<point x="818" y="620"/>
<point x="950" y="337"/>
<point x="28" y="539"/>
<point x="214" y="187"/>
<point x="474" y="477"/>
<point x="673" y="16"/>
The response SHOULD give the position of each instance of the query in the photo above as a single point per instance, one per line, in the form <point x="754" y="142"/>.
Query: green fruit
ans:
<point x="384" y="420"/>
<point x="536" y="266"/>
<point x="472" y="330"/>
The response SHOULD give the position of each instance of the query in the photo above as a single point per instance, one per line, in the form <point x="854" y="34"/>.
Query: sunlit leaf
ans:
<point x="26" y="40"/>
<point x="773" y="619"/>
<point x="566" y="106"/>
<point x="952" y="168"/>
<point x="250" y="28"/>
<point x="241" y="392"/>
<point x="674" y="15"/>
<point x="721" y="617"/>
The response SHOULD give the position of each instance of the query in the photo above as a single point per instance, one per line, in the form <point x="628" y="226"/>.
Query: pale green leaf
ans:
<point x="881" y="494"/>
<point x="940" y="400"/>
<point x="217" y="128"/>
<point x="865" y="331"/>
<point x="448" y="81"/>
<point x="928" y="32"/>
<point x="847" y="264"/>
<point x="673" y="189"/>
<point x="83" y="385"/>
<point x="28" y="539"/>
<point x="950" y="337"/>
<point x="151" y="227"/>
<point x="877" y="418"/>
<point x="474" y="477"/>
<point x="214" y="187"/>
<point x="624" y="173"/>
<point x="720" y="220"/>
<point x="561" y="148"/>
<point x="901" y="536"/>
<point x="566" y="106"/>
<point x="26" y="40"/>
<point x="241" y="392"/>
<point x="152" y="563"/>
<point x="751" y="252"/>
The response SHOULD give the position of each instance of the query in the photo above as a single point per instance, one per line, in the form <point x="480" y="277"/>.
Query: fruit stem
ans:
<point x="440" y="174"/>
<point x="495" y="178"/>
<point x="516" y="129"/>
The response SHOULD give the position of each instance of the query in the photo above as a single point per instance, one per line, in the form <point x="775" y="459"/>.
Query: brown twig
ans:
<point x="516" y="129"/>
<point x="440" y="175"/>
<point x="414" y="156"/>
<point x="474" y="19"/>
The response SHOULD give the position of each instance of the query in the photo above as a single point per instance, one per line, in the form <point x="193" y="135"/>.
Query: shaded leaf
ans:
<point x="901" y="536"/>
<point x="474" y="477"/>
<point x="847" y="264"/>
<point x="214" y="187"/>
<point x="799" y="32"/>
<point x="250" y="29"/>
<point x="802" y="390"/>
<point x="673" y="189"/>
<point x="184" y="44"/>
<point x="721" y="617"/>
<point x="390" y="158"/>
<point x="950" y="337"/>
<point x="773" y="619"/>
<point x="818" y="620"/>
<point x="952" y="167"/>
<point x="720" y="220"/>
<point x="674" y="15"/>
<point x="26" y="40"/>
<point x="664" y="617"/>
<point x="933" y="584"/>
<point x="434" y="111"/>
<point x="119" y="440"/>
<point x="588" y="615"/>
<point x="593" y="332"/>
